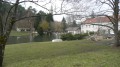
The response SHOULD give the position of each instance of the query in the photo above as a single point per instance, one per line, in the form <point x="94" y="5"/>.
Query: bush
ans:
<point x="69" y="36"/>
<point x="78" y="36"/>
<point x="91" y="33"/>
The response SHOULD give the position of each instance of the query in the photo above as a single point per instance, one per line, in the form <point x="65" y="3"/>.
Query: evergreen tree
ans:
<point x="64" y="24"/>
<point x="74" y="24"/>
<point x="49" y="19"/>
<point x="41" y="17"/>
<point x="92" y="14"/>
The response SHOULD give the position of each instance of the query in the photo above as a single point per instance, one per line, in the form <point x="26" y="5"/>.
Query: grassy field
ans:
<point x="77" y="53"/>
<point x="15" y="33"/>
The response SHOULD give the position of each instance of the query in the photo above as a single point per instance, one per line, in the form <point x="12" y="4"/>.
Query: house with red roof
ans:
<point x="93" y="25"/>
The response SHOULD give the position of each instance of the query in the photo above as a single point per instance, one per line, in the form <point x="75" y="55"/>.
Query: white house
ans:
<point x="87" y="25"/>
<point x="73" y="30"/>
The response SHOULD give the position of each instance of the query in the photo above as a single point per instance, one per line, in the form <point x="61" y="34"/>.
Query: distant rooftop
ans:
<point x="96" y="20"/>
<point x="72" y="28"/>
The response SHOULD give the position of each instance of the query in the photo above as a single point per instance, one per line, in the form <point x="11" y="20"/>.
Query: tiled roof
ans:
<point x="96" y="20"/>
<point x="24" y="24"/>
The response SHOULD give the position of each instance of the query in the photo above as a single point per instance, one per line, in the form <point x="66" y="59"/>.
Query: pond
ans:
<point x="26" y="39"/>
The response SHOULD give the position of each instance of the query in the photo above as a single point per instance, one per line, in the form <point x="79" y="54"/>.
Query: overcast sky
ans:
<point x="47" y="5"/>
<point x="81" y="9"/>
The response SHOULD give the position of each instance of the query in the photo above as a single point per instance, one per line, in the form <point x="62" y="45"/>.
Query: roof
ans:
<point x="72" y="28"/>
<point x="96" y="20"/>
<point x="25" y="24"/>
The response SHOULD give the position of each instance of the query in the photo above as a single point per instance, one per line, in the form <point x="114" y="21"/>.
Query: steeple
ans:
<point x="92" y="14"/>
<point x="51" y="9"/>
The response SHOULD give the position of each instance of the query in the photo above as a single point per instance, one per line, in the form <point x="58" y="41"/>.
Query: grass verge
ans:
<point x="76" y="53"/>
<point x="15" y="33"/>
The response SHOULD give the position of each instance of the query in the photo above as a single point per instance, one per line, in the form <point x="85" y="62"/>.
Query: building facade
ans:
<point x="24" y="25"/>
<point x="93" y="25"/>
<point x="73" y="30"/>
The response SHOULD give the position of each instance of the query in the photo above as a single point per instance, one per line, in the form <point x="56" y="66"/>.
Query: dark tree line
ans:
<point x="41" y="18"/>
<point x="10" y="14"/>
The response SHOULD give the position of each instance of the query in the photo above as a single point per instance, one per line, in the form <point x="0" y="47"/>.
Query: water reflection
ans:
<point x="43" y="38"/>
<point x="26" y="39"/>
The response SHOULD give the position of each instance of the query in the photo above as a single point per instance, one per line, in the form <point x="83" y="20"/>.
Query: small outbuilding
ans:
<point x="73" y="30"/>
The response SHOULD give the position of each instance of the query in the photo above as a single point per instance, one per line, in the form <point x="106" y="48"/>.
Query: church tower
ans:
<point x="51" y="9"/>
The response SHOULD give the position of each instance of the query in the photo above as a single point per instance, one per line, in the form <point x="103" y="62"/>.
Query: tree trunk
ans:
<point x="116" y="21"/>
<point x="117" y="43"/>
<point x="1" y="54"/>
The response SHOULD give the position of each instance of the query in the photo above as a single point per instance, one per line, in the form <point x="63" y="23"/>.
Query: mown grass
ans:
<point x="77" y="53"/>
<point x="15" y="33"/>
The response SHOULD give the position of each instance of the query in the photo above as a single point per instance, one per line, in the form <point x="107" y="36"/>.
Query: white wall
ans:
<point x="89" y="28"/>
<point x="94" y="28"/>
<point x="74" y="32"/>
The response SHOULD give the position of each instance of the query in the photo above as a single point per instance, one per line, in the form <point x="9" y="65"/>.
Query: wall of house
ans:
<point x="74" y="32"/>
<point x="89" y="28"/>
<point x="94" y="28"/>
<point x="23" y="29"/>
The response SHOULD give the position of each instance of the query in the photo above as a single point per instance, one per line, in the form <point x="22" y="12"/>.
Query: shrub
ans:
<point x="63" y="37"/>
<point x="91" y="33"/>
<point x="69" y="36"/>
<point x="78" y="36"/>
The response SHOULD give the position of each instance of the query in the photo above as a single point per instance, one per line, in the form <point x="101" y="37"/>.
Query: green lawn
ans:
<point x="77" y="53"/>
<point x="15" y="33"/>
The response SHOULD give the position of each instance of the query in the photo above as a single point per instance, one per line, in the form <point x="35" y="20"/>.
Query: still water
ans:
<point x="26" y="39"/>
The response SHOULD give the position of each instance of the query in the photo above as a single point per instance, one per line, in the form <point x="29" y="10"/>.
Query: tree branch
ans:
<point x="104" y="26"/>
<point x="47" y="3"/>
<point x="19" y="3"/>
<point x="41" y="6"/>
<point x="9" y="14"/>
<point x="7" y="2"/>
<point x="108" y="4"/>
<point x="112" y="2"/>
<point x="24" y="18"/>
<point x="9" y="28"/>
<point x="27" y="1"/>
<point x="111" y="19"/>
<point x="27" y="17"/>
<point x="62" y="5"/>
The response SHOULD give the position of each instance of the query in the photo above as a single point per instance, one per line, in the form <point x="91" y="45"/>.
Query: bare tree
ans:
<point x="113" y="8"/>
<point x="6" y="28"/>
<point x="69" y="7"/>
<point x="58" y="27"/>
<point x="7" y="22"/>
